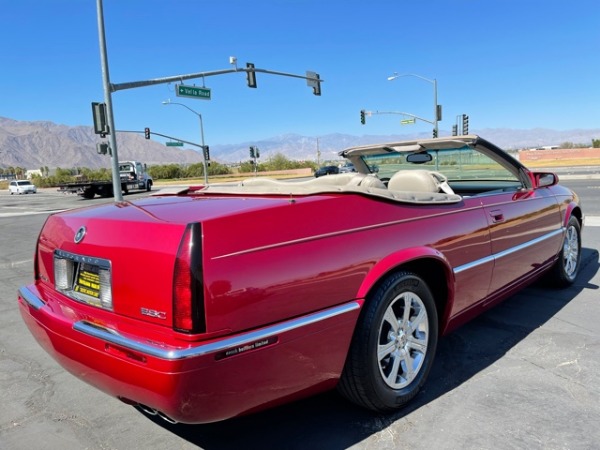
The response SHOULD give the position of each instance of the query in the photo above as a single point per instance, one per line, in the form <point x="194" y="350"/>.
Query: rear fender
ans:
<point x="407" y="257"/>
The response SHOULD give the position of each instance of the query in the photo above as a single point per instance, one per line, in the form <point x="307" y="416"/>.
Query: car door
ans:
<point x="525" y="232"/>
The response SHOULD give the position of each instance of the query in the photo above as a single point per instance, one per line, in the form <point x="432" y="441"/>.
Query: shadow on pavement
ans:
<point x="327" y="421"/>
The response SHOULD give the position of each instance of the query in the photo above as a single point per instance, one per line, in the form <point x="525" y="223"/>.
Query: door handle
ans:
<point x="497" y="215"/>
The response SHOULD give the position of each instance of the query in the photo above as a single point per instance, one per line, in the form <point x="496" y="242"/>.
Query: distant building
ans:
<point x="30" y="173"/>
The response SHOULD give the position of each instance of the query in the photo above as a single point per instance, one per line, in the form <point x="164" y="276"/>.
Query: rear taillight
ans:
<point x="36" y="258"/>
<point x="188" y="288"/>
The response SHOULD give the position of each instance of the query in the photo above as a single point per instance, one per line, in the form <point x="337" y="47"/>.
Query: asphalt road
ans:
<point x="589" y="193"/>
<point x="525" y="375"/>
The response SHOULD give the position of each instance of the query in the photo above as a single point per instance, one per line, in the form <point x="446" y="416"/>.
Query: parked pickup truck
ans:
<point x="133" y="174"/>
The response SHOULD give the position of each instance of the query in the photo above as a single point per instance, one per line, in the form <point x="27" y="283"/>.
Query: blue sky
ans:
<point x="506" y="63"/>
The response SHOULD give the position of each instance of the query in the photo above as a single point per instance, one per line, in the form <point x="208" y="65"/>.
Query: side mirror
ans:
<point x="545" y="179"/>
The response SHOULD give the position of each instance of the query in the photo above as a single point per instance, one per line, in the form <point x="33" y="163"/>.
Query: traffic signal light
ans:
<point x="454" y="130"/>
<point x="250" y="75"/>
<point x="313" y="80"/>
<point x="362" y="116"/>
<point x="465" y="128"/>
<point x="147" y="133"/>
<point x="206" y="153"/>
<point x="100" y="119"/>
<point x="317" y="86"/>
<point x="103" y="148"/>
<point x="435" y="133"/>
<point x="252" y="152"/>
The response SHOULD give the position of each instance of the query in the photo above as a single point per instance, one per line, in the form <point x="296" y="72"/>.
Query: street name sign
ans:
<point x="174" y="144"/>
<point x="407" y="121"/>
<point x="202" y="93"/>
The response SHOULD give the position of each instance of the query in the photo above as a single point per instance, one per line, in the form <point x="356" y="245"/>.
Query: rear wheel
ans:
<point x="567" y="267"/>
<point x="106" y="191"/>
<point x="89" y="194"/>
<point x="393" y="346"/>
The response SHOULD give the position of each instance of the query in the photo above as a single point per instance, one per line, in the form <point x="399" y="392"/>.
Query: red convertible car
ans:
<point x="216" y="301"/>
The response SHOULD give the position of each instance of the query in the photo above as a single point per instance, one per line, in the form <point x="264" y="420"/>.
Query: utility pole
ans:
<point x="318" y="153"/>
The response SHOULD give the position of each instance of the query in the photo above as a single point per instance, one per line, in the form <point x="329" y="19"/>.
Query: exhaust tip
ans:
<point x="153" y="412"/>
<point x="166" y="418"/>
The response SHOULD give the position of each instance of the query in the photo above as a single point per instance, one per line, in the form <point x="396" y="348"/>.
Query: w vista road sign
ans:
<point x="192" y="92"/>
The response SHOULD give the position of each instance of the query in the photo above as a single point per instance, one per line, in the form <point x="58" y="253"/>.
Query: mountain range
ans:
<point x="45" y="144"/>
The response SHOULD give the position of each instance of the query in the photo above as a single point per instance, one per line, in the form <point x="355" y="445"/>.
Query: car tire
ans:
<point x="88" y="194"/>
<point x="566" y="268"/>
<point x="393" y="346"/>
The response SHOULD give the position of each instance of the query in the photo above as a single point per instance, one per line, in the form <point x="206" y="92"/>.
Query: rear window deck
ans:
<point x="347" y="183"/>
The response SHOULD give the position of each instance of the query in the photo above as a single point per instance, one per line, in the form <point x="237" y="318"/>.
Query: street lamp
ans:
<point x="436" y="115"/>
<point x="169" y="102"/>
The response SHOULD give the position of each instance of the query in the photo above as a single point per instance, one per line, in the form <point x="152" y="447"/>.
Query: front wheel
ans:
<point x="566" y="267"/>
<point x="393" y="346"/>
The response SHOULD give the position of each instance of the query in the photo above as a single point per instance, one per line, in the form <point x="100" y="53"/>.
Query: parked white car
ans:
<point x="21" y="187"/>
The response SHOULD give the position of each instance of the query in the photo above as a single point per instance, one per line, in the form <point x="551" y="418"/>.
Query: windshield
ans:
<point x="459" y="164"/>
<point x="23" y="183"/>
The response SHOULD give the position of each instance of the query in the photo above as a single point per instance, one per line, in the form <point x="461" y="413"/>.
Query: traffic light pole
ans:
<point x="312" y="80"/>
<point x="116" y="176"/>
<point x="370" y="113"/>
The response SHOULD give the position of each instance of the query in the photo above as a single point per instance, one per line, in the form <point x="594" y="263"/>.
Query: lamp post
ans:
<point x="169" y="102"/>
<point x="435" y="104"/>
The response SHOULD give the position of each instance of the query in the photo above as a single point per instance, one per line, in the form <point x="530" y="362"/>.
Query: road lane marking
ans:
<point x="30" y="213"/>
<point x="13" y="264"/>
<point x="592" y="221"/>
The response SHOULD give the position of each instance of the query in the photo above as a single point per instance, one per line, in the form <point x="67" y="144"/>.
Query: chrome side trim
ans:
<point x="508" y="252"/>
<point x="114" y="337"/>
<point x="31" y="299"/>
<point x="474" y="264"/>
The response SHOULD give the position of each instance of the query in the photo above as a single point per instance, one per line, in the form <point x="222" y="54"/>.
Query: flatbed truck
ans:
<point x="134" y="177"/>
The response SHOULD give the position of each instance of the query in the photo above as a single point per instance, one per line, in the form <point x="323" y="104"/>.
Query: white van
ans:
<point x="21" y="187"/>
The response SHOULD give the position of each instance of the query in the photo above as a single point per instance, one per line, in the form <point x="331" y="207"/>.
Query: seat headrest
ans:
<point x="413" y="181"/>
<point x="371" y="181"/>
